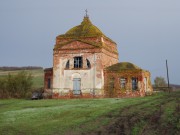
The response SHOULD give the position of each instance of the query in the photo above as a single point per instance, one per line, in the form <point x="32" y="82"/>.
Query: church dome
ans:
<point x="86" y="33"/>
<point x="85" y="29"/>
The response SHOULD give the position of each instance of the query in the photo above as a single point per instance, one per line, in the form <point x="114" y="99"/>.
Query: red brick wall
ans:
<point x="48" y="74"/>
<point x="128" y="92"/>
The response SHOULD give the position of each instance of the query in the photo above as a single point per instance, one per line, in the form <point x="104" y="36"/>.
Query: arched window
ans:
<point x="88" y="63"/>
<point x="67" y="64"/>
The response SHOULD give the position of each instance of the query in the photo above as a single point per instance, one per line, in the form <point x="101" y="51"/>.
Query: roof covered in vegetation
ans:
<point x="123" y="66"/>
<point x="86" y="28"/>
<point x="82" y="32"/>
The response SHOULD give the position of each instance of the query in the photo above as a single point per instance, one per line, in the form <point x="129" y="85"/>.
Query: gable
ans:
<point x="77" y="45"/>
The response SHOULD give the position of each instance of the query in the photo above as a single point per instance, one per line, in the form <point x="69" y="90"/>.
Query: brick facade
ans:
<point x="123" y="83"/>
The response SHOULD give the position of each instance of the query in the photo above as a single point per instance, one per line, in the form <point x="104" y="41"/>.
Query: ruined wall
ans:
<point x="144" y="84"/>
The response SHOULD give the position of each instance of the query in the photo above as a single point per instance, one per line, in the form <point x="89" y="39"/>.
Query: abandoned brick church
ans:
<point x="86" y="65"/>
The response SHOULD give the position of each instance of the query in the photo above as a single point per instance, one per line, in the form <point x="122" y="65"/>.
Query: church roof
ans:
<point x="86" y="28"/>
<point x="83" y="33"/>
<point x="123" y="66"/>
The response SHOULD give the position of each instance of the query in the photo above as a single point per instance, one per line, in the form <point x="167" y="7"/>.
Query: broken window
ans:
<point x="78" y="62"/>
<point x="88" y="63"/>
<point x="67" y="64"/>
<point x="134" y="83"/>
<point x="123" y="82"/>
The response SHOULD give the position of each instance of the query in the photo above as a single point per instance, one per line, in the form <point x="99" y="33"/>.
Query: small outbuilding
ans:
<point x="125" y="79"/>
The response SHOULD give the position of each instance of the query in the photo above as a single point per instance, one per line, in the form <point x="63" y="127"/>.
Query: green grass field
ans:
<point x="157" y="114"/>
<point x="38" y="76"/>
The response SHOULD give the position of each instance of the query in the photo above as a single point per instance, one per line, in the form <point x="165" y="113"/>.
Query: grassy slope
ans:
<point x="77" y="116"/>
<point x="38" y="76"/>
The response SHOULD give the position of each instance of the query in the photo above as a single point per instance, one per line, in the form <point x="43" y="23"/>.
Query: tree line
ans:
<point x="16" y="86"/>
<point x="6" y="68"/>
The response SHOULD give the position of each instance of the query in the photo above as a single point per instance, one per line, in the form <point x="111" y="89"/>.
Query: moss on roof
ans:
<point x="82" y="32"/>
<point x="123" y="66"/>
<point x="86" y="28"/>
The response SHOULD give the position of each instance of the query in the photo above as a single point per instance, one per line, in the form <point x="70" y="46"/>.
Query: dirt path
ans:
<point x="144" y="118"/>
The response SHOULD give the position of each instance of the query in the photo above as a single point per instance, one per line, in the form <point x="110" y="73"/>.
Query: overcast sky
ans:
<point x="147" y="32"/>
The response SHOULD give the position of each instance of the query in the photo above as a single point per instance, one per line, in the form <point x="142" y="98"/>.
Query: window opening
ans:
<point x="111" y="87"/>
<point x="134" y="83"/>
<point x="88" y="63"/>
<point x="123" y="82"/>
<point x="49" y="83"/>
<point x="78" y="62"/>
<point x="67" y="64"/>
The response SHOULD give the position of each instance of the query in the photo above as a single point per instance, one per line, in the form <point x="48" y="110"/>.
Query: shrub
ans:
<point x="16" y="86"/>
